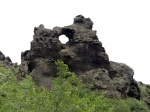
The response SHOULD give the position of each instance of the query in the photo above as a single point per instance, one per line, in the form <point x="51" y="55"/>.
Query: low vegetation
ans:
<point x="69" y="94"/>
<point x="145" y="90"/>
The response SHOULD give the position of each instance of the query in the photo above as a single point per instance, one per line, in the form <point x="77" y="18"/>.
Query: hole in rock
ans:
<point x="63" y="39"/>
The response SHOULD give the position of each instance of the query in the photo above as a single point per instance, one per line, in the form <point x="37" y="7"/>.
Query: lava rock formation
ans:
<point x="6" y="62"/>
<point x="83" y="53"/>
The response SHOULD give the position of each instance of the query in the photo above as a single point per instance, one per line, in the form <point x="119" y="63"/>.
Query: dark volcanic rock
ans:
<point x="83" y="53"/>
<point x="123" y="80"/>
<point x="2" y="56"/>
<point x="6" y="61"/>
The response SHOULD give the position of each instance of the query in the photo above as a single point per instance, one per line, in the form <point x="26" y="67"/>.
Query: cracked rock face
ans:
<point x="83" y="53"/>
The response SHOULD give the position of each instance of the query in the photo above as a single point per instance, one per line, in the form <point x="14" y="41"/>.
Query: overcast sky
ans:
<point x="123" y="26"/>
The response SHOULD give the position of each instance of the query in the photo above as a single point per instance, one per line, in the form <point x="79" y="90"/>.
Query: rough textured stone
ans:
<point x="123" y="80"/>
<point x="83" y="53"/>
<point x="2" y="56"/>
<point x="6" y="61"/>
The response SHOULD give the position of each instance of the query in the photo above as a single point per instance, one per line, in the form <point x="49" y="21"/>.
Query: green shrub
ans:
<point x="69" y="94"/>
<point x="145" y="90"/>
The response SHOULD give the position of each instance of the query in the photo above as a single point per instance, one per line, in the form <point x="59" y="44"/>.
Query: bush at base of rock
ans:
<point x="25" y="96"/>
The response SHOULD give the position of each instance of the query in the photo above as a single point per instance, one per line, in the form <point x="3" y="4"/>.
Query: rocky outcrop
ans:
<point x="123" y="80"/>
<point x="6" y="62"/>
<point x="83" y="53"/>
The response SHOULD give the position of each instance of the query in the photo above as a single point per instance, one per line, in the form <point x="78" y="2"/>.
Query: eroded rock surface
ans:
<point x="6" y="62"/>
<point x="83" y="53"/>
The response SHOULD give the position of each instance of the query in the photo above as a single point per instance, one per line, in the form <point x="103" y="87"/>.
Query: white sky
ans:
<point x="123" y="26"/>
